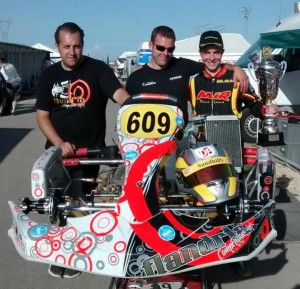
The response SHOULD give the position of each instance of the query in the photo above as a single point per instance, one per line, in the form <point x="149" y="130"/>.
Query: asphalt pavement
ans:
<point x="21" y="143"/>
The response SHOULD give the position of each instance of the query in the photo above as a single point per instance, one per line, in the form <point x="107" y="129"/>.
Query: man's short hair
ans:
<point x="69" y="27"/>
<point x="165" y="31"/>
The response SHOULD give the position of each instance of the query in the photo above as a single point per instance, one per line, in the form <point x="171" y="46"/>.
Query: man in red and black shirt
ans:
<point x="212" y="91"/>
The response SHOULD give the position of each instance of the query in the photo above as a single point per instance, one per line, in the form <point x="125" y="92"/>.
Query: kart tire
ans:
<point x="280" y="224"/>
<point x="249" y="126"/>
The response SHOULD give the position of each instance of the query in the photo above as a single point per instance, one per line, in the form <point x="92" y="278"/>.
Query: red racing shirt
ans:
<point x="216" y="95"/>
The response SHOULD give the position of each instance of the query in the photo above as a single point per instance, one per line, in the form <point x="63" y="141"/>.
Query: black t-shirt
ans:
<point x="77" y="100"/>
<point x="172" y="80"/>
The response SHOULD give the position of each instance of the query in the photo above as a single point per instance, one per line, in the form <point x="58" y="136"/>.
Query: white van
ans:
<point x="284" y="39"/>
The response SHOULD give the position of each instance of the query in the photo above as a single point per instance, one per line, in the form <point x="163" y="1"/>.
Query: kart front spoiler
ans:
<point x="106" y="243"/>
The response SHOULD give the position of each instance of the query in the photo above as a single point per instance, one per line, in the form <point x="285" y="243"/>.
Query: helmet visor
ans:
<point x="210" y="173"/>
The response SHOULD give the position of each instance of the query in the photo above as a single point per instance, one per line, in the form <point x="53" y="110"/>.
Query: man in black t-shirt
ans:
<point x="73" y="93"/>
<point x="71" y="102"/>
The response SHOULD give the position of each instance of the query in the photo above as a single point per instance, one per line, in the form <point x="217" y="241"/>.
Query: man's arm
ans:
<point x="240" y="76"/>
<point x="120" y="95"/>
<point x="45" y="124"/>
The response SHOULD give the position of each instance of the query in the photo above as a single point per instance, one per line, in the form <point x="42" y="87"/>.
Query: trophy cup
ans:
<point x="268" y="74"/>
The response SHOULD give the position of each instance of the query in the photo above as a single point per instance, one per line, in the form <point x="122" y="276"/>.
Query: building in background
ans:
<point x="27" y="61"/>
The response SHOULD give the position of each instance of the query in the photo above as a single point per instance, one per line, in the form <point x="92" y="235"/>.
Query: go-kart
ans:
<point x="136" y="227"/>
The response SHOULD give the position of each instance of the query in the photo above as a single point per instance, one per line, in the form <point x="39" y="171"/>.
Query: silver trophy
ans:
<point x="268" y="73"/>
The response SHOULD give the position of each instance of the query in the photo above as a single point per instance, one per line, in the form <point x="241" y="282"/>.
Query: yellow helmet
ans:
<point x="205" y="171"/>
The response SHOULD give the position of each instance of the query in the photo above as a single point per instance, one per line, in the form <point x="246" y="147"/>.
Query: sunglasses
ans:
<point x="163" y="48"/>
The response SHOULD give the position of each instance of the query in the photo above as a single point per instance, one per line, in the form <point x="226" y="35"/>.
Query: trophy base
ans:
<point x="270" y="139"/>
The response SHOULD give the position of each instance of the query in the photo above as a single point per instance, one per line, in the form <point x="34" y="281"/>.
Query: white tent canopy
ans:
<point x="125" y="54"/>
<point x="54" y="55"/>
<point x="235" y="45"/>
<point x="285" y="34"/>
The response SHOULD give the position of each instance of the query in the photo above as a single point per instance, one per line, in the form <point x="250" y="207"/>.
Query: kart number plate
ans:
<point x="149" y="121"/>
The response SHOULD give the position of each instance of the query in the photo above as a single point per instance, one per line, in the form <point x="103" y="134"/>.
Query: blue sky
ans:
<point x="112" y="27"/>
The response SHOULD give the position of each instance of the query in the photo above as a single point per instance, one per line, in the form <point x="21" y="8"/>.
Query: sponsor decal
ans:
<point x="204" y="164"/>
<point x="206" y="152"/>
<point x="224" y="80"/>
<point x="223" y="95"/>
<point x="79" y="93"/>
<point x="38" y="231"/>
<point x="131" y="155"/>
<point x="148" y="83"/>
<point x="179" y="121"/>
<point x="166" y="232"/>
<point x="176" y="77"/>
<point x="223" y="243"/>
<point x="72" y="94"/>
